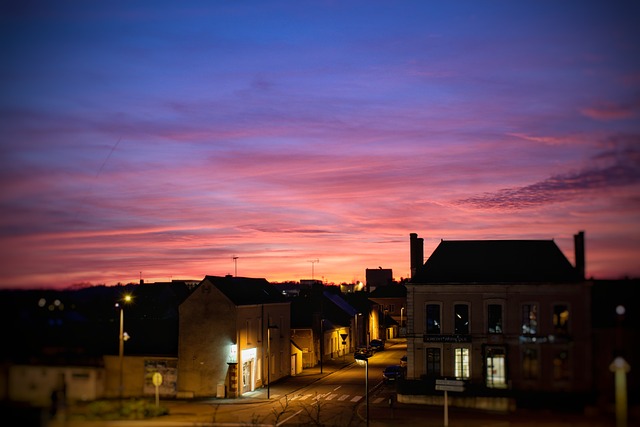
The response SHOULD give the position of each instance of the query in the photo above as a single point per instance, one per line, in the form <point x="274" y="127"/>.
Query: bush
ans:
<point x="128" y="409"/>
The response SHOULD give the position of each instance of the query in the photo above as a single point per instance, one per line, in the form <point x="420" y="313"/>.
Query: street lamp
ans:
<point x="357" y="332"/>
<point x="321" y="342"/>
<point x="123" y="336"/>
<point x="362" y="359"/>
<point x="269" y="328"/>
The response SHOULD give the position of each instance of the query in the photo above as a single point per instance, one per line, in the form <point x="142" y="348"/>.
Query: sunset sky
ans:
<point x="161" y="139"/>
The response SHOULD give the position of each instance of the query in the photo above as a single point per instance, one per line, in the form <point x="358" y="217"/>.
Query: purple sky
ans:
<point x="161" y="139"/>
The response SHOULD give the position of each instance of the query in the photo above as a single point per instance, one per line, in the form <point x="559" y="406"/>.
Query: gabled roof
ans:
<point x="389" y="291"/>
<point x="496" y="261"/>
<point x="245" y="290"/>
<point x="341" y="303"/>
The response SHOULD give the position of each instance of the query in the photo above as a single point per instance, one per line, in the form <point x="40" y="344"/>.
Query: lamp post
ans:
<point x="362" y="359"/>
<point x="357" y="332"/>
<point x="401" y="320"/>
<point x="321" y="342"/>
<point x="122" y="338"/>
<point x="269" y="359"/>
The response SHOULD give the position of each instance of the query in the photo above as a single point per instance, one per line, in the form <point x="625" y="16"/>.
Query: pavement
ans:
<point x="201" y="412"/>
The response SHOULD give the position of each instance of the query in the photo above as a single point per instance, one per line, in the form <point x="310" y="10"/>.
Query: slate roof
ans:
<point x="390" y="291"/>
<point x="496" y="261"/>
<point x="245" y="290"/>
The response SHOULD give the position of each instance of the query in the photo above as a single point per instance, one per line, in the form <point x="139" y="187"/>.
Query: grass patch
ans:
<point x="132" y="409"/>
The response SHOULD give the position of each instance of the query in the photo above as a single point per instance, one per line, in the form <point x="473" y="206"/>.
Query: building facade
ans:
<point x="512" y="314"/>
<point x="234" y="337"/>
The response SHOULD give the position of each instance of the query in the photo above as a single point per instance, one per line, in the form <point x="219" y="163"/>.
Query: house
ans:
<point x="378" y="277"/>
<point x="392" y="303"/>
<point x="230" y="330"/>
<point x="501" y="315"/>
<point x="323" y="324"/>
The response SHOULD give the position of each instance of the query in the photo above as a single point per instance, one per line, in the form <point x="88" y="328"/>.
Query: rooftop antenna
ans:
<point x="235" y="264"/>
<point x="313" y="261"/>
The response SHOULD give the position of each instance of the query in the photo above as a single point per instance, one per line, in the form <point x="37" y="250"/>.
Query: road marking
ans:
<point x="378" y="400"/>
<point x="331" y="396"/>
<point x="305" y="397"/>
<point x="356" y="398"/>
<point x="344" y="397"/>
<point x="287" y="419"/>
<point x="337" y="388"/>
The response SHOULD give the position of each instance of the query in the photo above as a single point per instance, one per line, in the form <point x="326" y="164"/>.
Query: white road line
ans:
<point x="378" y="400"/>
<point x="331" y="396"/>
<point x="305" y="397"/>
<point x="356" y="398"/>
<point x="287" y="419"/>
<point x="344" y="397"/>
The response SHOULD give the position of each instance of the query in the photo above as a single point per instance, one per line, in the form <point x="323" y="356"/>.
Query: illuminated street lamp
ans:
<point x="123" y="336"/>
<point x="362" y="359"/>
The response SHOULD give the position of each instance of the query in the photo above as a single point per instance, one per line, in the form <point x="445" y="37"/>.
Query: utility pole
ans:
<point x="235" y="265"/>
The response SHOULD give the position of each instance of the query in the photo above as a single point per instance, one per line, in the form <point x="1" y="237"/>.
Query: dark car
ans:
<point x="377" y="345"/>
<point x="361" y="352"/>
<point x="392" y="373"/>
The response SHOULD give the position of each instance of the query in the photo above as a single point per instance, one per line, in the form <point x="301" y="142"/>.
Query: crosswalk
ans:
<point x="328" y="397"/>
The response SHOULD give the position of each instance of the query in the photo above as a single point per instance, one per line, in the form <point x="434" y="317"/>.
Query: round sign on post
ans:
<point x="156" y="379"/>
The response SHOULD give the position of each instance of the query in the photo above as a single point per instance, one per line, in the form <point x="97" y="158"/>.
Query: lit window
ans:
<point x="461" y="362"/>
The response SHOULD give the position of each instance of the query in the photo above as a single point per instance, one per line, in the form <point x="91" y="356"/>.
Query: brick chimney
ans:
<point x="416" y="246"/>
<point x="578" y="240"/>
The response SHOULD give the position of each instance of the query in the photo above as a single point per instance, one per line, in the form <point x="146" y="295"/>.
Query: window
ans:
<point x="433" y="319"/>
<point x="461" y="319"/>
<point x="433" y="362"/>
<point x="561" y="319"/>
<point x="530" y="363"/>
<point x="561" y="366"/>
<point x="529" y="319"/>
<point x="496" y="371"/>
<point x="461" y="363"/>
<point x="494" y="318"/>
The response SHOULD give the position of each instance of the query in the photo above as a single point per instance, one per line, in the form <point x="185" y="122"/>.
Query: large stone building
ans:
<point x="500" y="314"/>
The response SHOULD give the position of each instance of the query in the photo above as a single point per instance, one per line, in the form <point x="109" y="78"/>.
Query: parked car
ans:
<point x="392" y="373"/>
<point x="377" y="345"/>
<point x="363" y="352"/>
<point x="403" y="361"/>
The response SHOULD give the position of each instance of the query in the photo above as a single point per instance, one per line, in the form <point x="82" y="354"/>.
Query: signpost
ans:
<point x="447" y="386"/>
<point x="156" y="379"/>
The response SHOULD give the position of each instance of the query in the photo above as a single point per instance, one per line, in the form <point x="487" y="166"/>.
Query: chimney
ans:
<point x="578" y="240"/>
<point x="416" y="246"/>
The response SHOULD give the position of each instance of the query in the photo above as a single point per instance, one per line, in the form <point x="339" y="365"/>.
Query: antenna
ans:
<point x="235" y="264"/>
<point x="313" y="261"/>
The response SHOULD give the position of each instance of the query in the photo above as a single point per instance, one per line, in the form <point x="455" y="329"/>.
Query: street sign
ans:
<point x="449" y="388"/>
<point x="458" y="383"/>
<point x="157" y="379"/>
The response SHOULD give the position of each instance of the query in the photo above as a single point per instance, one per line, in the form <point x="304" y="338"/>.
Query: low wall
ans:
<point x="489" y="404"/>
